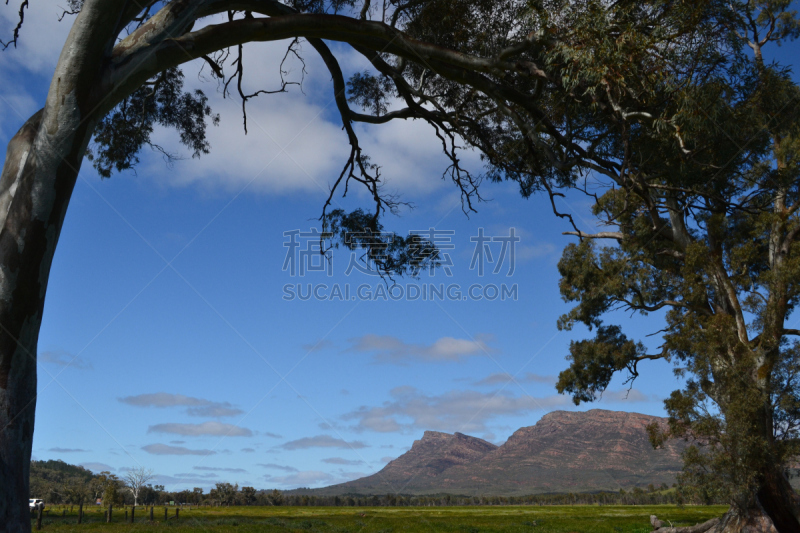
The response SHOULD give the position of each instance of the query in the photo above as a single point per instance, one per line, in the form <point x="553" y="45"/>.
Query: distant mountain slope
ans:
<point x="572" y="452"/>
<point x="423" y="464"/>
<point x="564" y="452"/>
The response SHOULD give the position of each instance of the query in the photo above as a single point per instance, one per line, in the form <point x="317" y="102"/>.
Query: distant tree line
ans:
<point x="60" y="483"/>
<point x="676" y="495"/>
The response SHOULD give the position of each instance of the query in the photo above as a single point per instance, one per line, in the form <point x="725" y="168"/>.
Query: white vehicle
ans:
<point x="33" y="503"/>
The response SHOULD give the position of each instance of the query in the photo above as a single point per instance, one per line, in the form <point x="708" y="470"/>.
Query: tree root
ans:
<point x="731" y="522"/>
<point x="658" y="526"/>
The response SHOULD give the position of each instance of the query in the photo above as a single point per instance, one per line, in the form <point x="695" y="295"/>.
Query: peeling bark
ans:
<point x="19" y="321"/>
<point x="37" y="180"/>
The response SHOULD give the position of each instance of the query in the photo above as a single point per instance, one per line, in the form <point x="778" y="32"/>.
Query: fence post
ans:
<point x="126" y="515"/>
<point x="80" y="512"/>
<point x="133" y="510"/>
<point x="151" y="513"/>
<point x="165" y="514"/>
<point x="108" y="516"/>
<point x="176" y="513"/>
<point x="39" y="516"/>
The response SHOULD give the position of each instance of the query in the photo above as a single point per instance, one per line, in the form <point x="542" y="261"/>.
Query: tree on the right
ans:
<point x="697" y="227"/>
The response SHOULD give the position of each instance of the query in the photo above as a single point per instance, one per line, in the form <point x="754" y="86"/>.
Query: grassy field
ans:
<point x="546" y="519"/>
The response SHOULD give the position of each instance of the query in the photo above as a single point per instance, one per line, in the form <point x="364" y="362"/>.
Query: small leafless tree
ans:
<point x="135" y="479"/>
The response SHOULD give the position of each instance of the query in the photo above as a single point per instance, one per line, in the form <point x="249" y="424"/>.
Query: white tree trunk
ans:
<point x="39" y="174"/>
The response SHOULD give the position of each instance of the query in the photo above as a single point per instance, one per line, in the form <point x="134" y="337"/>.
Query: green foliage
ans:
<point x="321" y="6"/>
<point x="276" y="497"/>
<point x="703" y="210"/>
<point x="248" y="495"/>
<point x="473" y="26"/>
<point x="594" y="363"/>
<point x="224" y="493"/>
<point x="128" y="128"/>
<point x="57" y="481"/>
<point x="370" y="92"/>
<point x="388" y="253"/>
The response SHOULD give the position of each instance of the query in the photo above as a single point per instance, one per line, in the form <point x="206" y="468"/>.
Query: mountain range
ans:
<point x="564" y="452"/>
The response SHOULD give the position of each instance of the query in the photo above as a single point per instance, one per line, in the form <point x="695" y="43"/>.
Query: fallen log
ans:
<point x="659" y="526"/>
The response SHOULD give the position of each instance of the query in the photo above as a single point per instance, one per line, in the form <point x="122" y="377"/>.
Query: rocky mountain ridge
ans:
<point x="563" y="452"/>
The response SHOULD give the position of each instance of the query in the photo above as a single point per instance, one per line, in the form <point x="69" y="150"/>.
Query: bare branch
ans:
<point x="18" y="27"/>
<point x="601" y="235"/>
<point x="215" y="67"/>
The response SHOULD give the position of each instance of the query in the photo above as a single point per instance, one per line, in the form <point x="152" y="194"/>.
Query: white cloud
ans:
<point x="62" y="358"/>
<point x="290" y="145"/>
<point x="410" y="410"/>
<point x="274" y="466"/>
<point x="411" y="156"/>
<point x="388" y="349"/>
<point x="302" y="479"/>
<point x="295" y="142"/>
<point x="206" y="428"/>
<point x="464" y="411"/>
<point x="185" y="479"/>
<point x="192" y="475"/>
<point x="502" y="378"/>
<point x="342" y="461"/>
<point x="625" y="395"/>
<point x="318" y="346"/>
<point x="311" y="478"/>
<point x="198" y="407"/>
<point x="322" y="441"/>
<point x="165" y="449"/>
<point x="218" y="469"/>
<point x="213" y="411"/>
<point x="163" y="399"/>
<point x="41" y="39"/>
<point x="67" y="450"/>
<point x="98" y="467"/>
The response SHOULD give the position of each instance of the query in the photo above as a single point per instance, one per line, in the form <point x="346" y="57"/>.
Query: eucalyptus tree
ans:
<point x="136" y="479"/>
<point x="665" y="112"/>
<point x="699" y="231"/>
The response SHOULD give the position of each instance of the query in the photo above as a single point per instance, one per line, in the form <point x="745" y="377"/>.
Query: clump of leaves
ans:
<point x="321" y="6"/>
<point x="122" y="133"/>
<point x="370" y="92"/>
<point x="389" y="253"/>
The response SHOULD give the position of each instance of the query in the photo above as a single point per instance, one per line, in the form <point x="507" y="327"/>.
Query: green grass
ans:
<point x="545" y="519"/>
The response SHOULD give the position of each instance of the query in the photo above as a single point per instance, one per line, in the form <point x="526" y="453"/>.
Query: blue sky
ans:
<point x="169" y="340"/>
